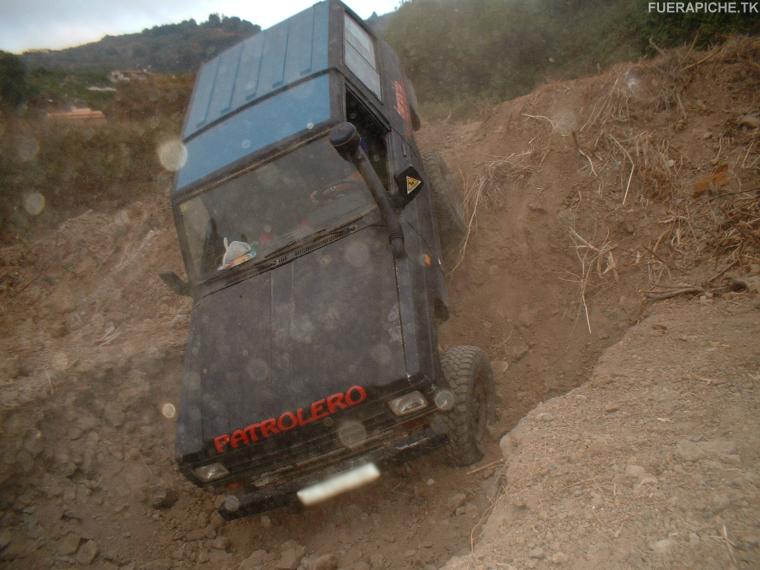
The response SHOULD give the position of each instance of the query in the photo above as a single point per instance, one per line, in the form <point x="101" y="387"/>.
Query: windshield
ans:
<point x="246" y="219"/>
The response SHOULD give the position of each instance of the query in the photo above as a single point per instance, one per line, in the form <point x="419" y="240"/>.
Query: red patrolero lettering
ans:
<point x="254" y="433"/>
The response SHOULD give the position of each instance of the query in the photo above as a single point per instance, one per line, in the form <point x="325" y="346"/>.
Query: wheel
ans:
<point x="470" y="378"/>
<point x="447" y="200"/>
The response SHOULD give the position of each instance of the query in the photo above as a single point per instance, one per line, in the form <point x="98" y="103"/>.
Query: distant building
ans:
<point x="123" y="75"/>
<point x="78" y="116"/>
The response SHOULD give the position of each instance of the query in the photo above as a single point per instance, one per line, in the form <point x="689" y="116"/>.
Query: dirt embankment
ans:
<point x="586" y="199"/>
<point x="651" y="464"/>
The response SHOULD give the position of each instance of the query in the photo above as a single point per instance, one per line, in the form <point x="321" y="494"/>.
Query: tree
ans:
<point x="13" y="87"/>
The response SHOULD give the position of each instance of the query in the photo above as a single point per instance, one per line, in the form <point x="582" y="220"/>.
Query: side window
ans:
<point x="373" y="136"/>
<point x="360" y="55"/>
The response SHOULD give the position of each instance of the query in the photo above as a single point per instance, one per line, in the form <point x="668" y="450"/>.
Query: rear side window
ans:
<point x="360" y="55"/>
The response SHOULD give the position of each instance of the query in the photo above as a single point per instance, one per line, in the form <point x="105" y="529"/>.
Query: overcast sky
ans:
<point x="55" y="24"/>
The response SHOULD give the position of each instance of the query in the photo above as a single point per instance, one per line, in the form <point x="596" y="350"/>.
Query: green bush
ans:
<point x="497" y="49"/>
<point x="13" y="87"/>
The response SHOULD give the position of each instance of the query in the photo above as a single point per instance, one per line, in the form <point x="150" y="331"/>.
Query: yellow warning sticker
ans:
<point x="411" y="184"/>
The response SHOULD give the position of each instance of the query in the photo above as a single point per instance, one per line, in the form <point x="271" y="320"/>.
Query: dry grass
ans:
<point x="485" y="188"/>
<point x="593" y="259"/>
<point x="721" y="217"/>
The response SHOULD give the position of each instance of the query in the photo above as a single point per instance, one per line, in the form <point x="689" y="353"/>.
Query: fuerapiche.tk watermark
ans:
<point x="704" y="7"/>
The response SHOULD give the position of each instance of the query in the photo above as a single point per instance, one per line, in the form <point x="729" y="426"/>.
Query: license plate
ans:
<point x="338" y="484"/>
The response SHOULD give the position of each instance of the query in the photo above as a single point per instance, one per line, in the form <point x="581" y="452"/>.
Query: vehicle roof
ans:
<point x="265" y="89"/>
<point x="256" y="67"/>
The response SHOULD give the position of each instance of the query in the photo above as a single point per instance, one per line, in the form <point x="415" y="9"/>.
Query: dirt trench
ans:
<point x="92" y="479"/>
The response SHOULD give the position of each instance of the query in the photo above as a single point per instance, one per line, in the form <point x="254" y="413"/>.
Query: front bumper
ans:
<point x="250" y="502"/>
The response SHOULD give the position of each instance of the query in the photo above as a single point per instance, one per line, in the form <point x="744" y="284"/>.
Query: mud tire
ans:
<point x="447" y="200"/>
<point x="469" y="376"/>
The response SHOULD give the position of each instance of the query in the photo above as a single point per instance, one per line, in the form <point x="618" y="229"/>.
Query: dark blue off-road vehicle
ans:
<point x="309" y="226"/>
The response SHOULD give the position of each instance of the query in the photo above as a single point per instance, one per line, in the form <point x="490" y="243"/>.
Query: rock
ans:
<point x="377" y="561"/>
<point x="34" y="444"/>
<point x="180" y="553"/>
<point x="258" y="559"/>
<point x="69" y="544"/>
<point x="221" y="543"/>
<point x="647" y="480"/>
<point x="291" y="554"/>
<point x="411" y="553"/>
<point x="663" y="546"/>
<point x="636" y="471"/>
<point x="537" y="554"/>
<point x="456" y="501"/>
<point x="517" y="350"/>
<point x="114" y="416"/>
<point x="86" y="422"/>
<point x="750" y="121"/>
<point x="161" y="497"/>
<point x="62" y="299"/>
<point x="719" y="503"/>
<point x="5" y="539"/>
<point x="545" y="417"/>
<point x="266" y="522"/>
<point x="430" y="482"/>
<point x="611" y="408"/>
<point x="216" y="520"/>
<point x="160" y="564"/>
<point x="24" y="461"/>
<point x="559" y="558"/>
<point x="87" y="552"/>
<point x="196" y="534"/>
<point x="507" y="444"/>
<point x="689" y="451"/>
<point x="324" y="562"/>
<point x="500" y="366"/>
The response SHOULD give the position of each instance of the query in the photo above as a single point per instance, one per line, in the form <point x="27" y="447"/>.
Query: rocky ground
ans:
<point x="627" y="199"/>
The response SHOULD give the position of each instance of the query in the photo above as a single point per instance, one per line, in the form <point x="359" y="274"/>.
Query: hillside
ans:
<point x="609" y="271"/>
<point x="171" y="48"/>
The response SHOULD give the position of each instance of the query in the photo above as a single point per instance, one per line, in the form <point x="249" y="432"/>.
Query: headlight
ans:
<point x="210" y="472"/>
<point x="408" y="403"/>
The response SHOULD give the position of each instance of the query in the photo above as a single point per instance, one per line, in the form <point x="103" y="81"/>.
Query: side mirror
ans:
<point x="409" y="184"/>
<point x="173" y="281"/>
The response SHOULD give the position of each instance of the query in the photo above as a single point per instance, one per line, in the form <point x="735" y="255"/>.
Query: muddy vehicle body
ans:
<point x="306" y="221"/>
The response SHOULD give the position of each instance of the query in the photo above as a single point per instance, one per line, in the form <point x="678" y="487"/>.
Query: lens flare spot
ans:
<point x="27" y="148"/>
<point x="172" y="154"/>
<point x="357" y="254"/>
<point x="34" y="203"/>
<point x="60" y="361"/>
<point x="121" y="218"/>
<point x="168" y="411"/>
<point x="352" y="434"/>
<point x="444" y="400"/>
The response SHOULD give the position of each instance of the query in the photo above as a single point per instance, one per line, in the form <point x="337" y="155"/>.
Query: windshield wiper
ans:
<point x="312" y="237"/>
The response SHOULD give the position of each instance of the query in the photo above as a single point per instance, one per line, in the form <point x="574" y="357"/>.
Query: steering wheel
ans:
<point x="334" y="191"/>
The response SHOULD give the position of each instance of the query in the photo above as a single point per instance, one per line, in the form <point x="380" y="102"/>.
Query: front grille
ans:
<point x="314" y="446"/>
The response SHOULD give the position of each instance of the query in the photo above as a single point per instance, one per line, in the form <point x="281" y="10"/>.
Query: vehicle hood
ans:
<point x="280" y="340"/>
